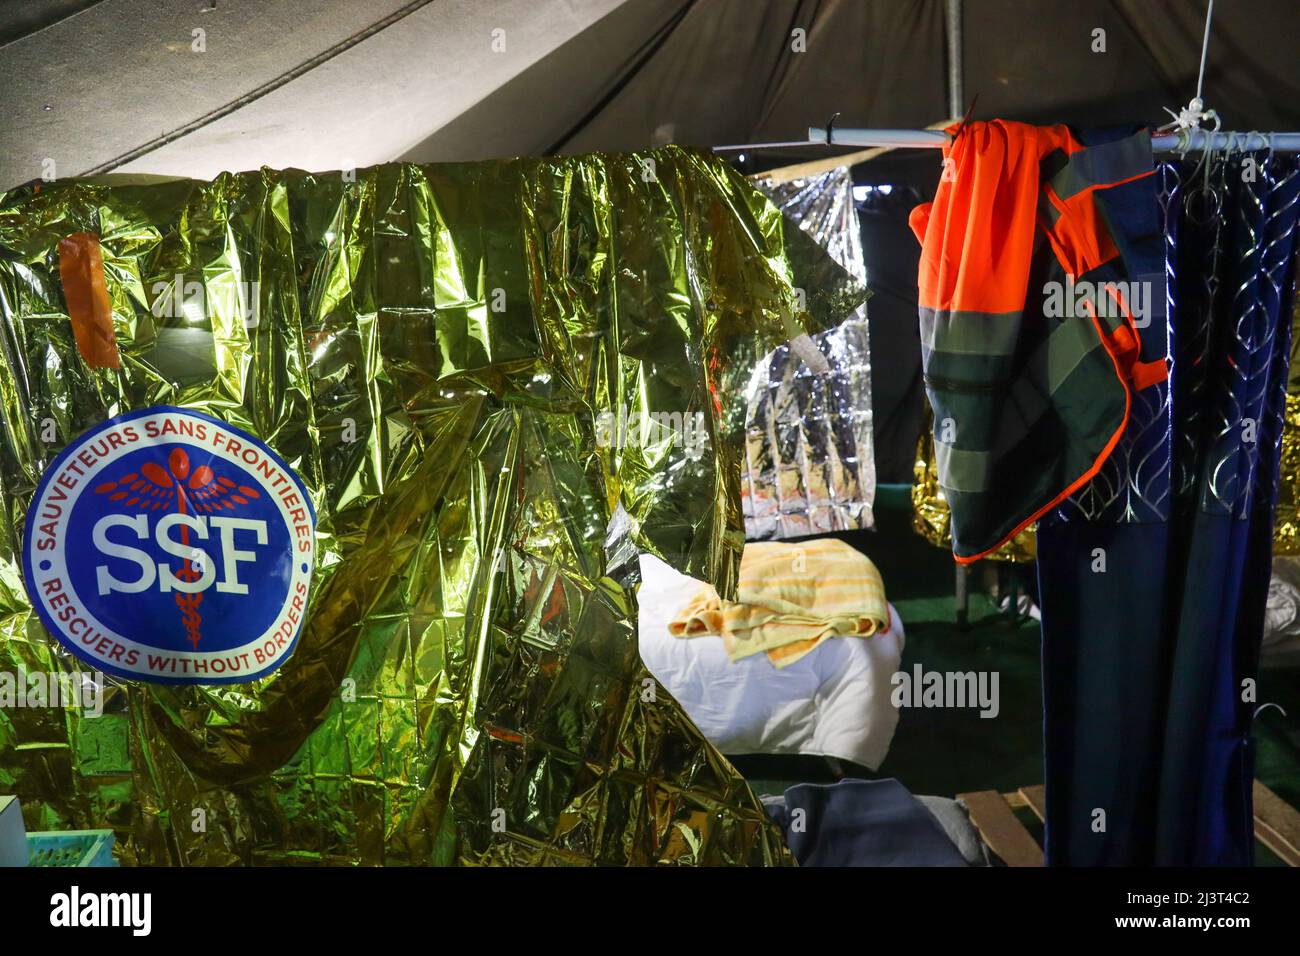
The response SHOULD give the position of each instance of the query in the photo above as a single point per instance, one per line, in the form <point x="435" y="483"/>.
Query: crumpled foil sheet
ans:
<point x="809" y="465"/>
<point x="1286" y="529"/>
<point x="430" y="348"/>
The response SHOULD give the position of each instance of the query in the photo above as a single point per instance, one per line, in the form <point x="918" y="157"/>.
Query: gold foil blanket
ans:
<point x="1286" y="529"/>
<point x="492" y="378"/>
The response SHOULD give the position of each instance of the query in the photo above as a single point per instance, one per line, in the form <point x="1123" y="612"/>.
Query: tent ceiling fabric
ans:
<point x="324" y="85"/>
<point x="113" y="84"/>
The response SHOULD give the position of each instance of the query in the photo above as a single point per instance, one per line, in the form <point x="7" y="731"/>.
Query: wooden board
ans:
<point x="816" y="167"/>
<point x="1036" y="801"/>
<point x="1277" y="824"/>
<point x="1005" y="835"/>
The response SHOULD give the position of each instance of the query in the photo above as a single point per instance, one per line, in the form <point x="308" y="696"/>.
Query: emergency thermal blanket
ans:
<point x="476" y="391"/>
<point x="809" y="462"/>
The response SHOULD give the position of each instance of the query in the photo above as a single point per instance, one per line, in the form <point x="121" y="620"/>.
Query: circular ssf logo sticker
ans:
<point x="168" y="546"/>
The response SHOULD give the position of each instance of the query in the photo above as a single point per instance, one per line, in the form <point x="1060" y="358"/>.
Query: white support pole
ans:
<point x="891" y="138"/>
<point x="1160" y="143"/>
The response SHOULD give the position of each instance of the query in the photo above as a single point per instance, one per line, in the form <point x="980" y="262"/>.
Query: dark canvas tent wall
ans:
<point x="118" y="84"/>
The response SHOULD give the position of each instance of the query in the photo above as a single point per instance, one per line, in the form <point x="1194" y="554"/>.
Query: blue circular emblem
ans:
<point x="169" y="546"/>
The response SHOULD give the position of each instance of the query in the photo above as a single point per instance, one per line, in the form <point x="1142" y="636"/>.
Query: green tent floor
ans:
<point x="946" y="751"/>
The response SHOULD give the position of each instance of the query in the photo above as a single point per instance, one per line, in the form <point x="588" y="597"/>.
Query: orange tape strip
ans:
<point x="81" y="266"/>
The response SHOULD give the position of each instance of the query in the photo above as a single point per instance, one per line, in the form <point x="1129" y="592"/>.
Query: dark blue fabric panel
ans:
<point x="1146" y="667"/>
<point x="1104" y="656"/>
<point x="862" y="823"/>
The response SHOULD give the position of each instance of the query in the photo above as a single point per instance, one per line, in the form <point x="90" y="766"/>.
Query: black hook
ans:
<point x="830" y="126"/>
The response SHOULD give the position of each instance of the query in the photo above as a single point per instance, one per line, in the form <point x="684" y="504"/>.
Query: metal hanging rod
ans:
<point x="1198" y="139"/>
<point x="936" y="139"/>
<point x="746" y="147"/>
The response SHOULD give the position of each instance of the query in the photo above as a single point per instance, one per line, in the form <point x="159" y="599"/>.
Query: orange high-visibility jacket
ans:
<point x="1029" y="344"/>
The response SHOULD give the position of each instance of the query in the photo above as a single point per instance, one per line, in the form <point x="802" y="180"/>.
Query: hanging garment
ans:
<point x="809" y="467"/>
<point x="1028" y="402"/>
<point x="789" y="599"/>
<point x="1154" y="576"/>
<point x="932" y="517"/>
<point x="436" y="352"/>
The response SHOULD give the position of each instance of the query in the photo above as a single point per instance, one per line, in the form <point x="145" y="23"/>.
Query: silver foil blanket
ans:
<point x="809" y="466"/>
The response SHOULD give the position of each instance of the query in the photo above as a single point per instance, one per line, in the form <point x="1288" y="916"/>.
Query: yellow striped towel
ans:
<point x="790" y="598"/>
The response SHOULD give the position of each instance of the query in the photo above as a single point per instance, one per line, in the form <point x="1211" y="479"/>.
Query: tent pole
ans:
<point x="953" y="24"/>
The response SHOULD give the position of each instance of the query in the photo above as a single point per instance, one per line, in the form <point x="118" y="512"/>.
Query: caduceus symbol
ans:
<point x="188" y="491"/>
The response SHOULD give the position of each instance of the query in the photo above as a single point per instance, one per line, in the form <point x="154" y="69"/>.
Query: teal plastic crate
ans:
<point x="71" y="848"/>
